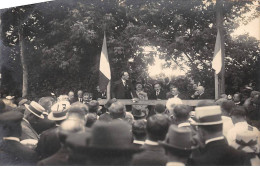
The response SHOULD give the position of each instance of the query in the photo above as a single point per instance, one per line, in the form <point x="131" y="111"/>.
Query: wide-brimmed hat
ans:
<point x="179" y="138"/>
<point x="36" y="109"/>
<point x="208" y="115"/>
<point x="247" y="141"/>
<point x="111" y="137"/>
<point x="138" y="112"/>
<point x="59" y="111"/>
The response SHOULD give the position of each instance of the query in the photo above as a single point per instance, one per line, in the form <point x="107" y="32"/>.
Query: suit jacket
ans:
<point x="48" y="143"/>
<point x="58" y="159"/>
<point x="27" y="131"/>
<point x="153" y="155"/>
<point x="162" y="95"/>
<point x="73" y="100"/>
<point x="42" y="125"/>
<point x="218" y="153"/>
<point x="14" y="153"/>
<point x="119" y="91"/>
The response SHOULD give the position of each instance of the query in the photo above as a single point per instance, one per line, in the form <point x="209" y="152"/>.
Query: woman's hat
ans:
<point x="36" y="109"/>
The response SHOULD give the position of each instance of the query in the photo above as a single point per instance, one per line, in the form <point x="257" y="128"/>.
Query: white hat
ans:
<point x="36" y="109"/>
<point x="9" y="97"/>
<point x="59" y="111"/>
<point x="172" y="102"/>
<point x="208" y="115"/>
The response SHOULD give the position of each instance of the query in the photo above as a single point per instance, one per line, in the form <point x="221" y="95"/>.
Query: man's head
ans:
<point x="182" y="112"/>
<point x="226" y="107"/>
<point x="238" y="114"/>
<point x="71" y="95"/>
<point x="78" y="111"/>
<point x="46" y="103"/>
<point x="157" y="87"/>
<point x="93" y="106"/>
<point x="87" y="97"/>
<point x="98" y="88"/>
<point x="139" y="129"/>
<point x="125" y="75"/>
<point x="117" y="110"/>
<point x="200" y="90"/>
<point x="80" y="94"/>
<point x="174" y="91"/>
<point x="157" y="127"/>
<point x="171" y="103"/>
<point x="159" y="108"/>
<point x="138" y="86"/>
<point x="237" y="97"/>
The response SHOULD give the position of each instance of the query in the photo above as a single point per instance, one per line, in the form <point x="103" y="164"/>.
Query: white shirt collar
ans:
<point x="11" y="138"/>
<point x="214" y="139"/>
<point x="149" y="142"/>
<point x="186" y="124"/>
<point x="175" y="164"/>
<point x="138" y="142"/>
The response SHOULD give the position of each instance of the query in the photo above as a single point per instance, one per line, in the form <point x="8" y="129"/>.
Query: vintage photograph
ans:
<point x="130" y="83"/>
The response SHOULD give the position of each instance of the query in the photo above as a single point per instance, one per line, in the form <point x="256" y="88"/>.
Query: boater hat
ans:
<point x="208" y="115"/>
<point x="179" y="138"/>
<point x="59" y="111"/>
<point x="35" y="109"/>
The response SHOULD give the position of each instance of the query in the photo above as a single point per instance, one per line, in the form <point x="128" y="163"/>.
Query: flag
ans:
<point x="104" y="67"/>
<point x="217" y="59"/>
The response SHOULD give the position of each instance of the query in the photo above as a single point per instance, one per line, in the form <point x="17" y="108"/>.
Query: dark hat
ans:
<point x="109" y="102"/>
<point x="11" y="116"/>
<point x="208" y="115"/>
<point x="78" y="141"/>
<point x="115" y="136"/>
<point x="160" y="108"/>
<point x="139" y="126"/>
<point x="138" y="113"/>
<point x="36" y="109"/>
<point x="179" y="138"/>
<point x="23" y="101"/>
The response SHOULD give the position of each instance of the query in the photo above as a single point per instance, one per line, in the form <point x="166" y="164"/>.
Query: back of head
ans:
<point x="91" y="118"/>
<point x="78" y="110"/>
<point x="159" y="108"/>
<point x="220" y="101"/>
<point x="129" y="118"/>
<point x="93" y="106"/>
<point x="10" y="124"/>
<point x="238" y="111"/>
<point x="46" y="103"/>
<point x="117" y="110"/>
<point x="182" y="112"/>
<point x="227" y="106"/>
<point x="139" y="129"/>
<point x="157" y="127"/>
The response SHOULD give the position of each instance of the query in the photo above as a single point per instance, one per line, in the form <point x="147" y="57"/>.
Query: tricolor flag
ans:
<point x="217" y="59"/>
<point x="104" y="67"/>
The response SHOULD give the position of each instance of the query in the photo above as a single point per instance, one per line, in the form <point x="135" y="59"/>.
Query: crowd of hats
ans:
<point x="91" y="134"/>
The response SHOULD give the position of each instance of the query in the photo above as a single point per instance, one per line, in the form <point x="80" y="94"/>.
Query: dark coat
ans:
<point x="58" y="159"/>
<point x="42" y="125"/>
<point x="73" y="100"/>
<point x="48" y="143"/>
<point x="14" y="153"/>
<point x="119" y="91"/>
<point x="153" y="155"/>
<point x="28" y="132"/>
<point x="162" y="95"/>
<point x="218" y="153"/>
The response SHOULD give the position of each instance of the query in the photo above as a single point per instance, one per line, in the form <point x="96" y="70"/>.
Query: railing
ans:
<point x="192" y="103"/>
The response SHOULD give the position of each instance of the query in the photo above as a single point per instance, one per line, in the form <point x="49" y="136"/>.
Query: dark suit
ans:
<point x="48" y="143"/>
<point x="153" y="96"/>
<point x="58" y="159"/>
<point x="218" y="153"/>
<point x="119" y="91"/>
<point x="42" y="125"/>
<point x="73" y="100"/>
<point x="14" y="153"/>
<point x="28" y="132"/>
<point x="153" y="155"/>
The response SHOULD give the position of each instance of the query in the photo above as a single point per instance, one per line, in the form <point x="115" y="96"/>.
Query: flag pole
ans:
<point x="219" y="15"/>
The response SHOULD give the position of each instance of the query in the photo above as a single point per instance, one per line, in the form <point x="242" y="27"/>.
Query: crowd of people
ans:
<point x="76" y="130"/>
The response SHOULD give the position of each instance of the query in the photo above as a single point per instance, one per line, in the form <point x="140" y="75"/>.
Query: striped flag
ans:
<point x="104" y="67"/>
<point x="217" y="59"/>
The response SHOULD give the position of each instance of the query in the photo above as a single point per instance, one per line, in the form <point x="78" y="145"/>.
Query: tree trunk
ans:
<point x="23" y="62"/>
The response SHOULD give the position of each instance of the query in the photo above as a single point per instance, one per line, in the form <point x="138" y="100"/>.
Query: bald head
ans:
<point x="117" y="110"/>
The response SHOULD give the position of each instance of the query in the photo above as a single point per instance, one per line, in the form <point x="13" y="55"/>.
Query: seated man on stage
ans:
<point x="174" y="93"/>
<point x="158" y="93"/>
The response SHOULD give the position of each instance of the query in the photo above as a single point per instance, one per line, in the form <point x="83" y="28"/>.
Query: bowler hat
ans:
<point x="138" y="113"/>
<point x="59" y="111"/>
<point x="208" y="115"/>
<point x="36" y="109"/>
<point x="111" y="137"/>
<point x="11" y="116"/>
<point x="179" y="138"/>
